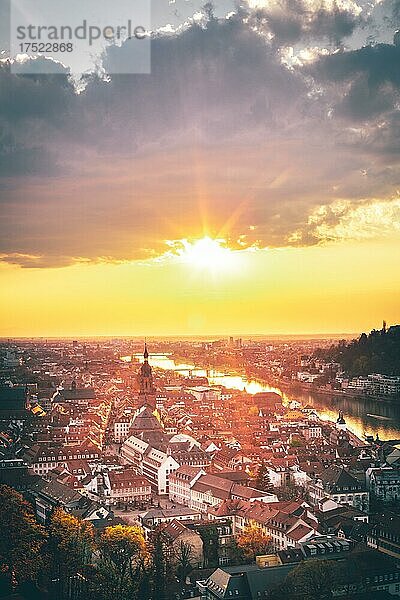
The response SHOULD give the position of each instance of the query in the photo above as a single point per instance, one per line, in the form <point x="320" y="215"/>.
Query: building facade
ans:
<point x="384" y="483"/>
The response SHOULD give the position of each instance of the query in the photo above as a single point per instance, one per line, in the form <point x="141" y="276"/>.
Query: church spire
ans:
<point x="147" y="393"/>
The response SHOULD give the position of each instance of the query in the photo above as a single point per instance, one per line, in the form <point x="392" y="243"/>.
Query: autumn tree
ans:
<point x="21" y="538"/>
<point x="70" y="547"/>
<point x="253" y="542"/>
<point x="123" y="553"/>
<point x="253" y="411"/>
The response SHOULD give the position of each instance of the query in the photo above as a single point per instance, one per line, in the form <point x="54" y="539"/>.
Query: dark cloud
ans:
<point x="292" y="21"/>
<point x="32" y="109"/>
<point x="378" y="63"/>
<point x="221" y="137"/>
<point x="4" y="25"/>
<point x="220" y="81"/>
<point x="215" y="83"/>
<point x="363" y="87"/>
<point x="392" y="8"/>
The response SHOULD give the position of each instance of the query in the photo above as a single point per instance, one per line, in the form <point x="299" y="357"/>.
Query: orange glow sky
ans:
<point x="264" y="140"/>
<point x="336" y="288"/>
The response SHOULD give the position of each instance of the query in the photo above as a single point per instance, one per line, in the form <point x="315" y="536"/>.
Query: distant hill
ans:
<point x="378" y="352"/>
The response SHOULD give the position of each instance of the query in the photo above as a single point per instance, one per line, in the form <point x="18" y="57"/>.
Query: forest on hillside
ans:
<point x="377" y="352"/>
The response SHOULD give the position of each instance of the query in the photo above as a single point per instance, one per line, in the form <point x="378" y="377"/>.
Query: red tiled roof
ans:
<point x="127" y="478"/>
<point x="299" y="532"/>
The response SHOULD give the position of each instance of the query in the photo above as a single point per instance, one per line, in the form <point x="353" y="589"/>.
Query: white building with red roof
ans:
<point x="126" y="486"/>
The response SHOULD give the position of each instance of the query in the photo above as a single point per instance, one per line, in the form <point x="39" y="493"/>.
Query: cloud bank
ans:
<point x="225" y="137"/>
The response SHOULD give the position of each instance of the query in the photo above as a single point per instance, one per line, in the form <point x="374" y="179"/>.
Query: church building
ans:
<point x="149" y="449"/>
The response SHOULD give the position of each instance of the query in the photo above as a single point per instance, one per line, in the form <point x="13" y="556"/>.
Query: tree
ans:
<point x="289" y="491"/>
<point x="70" y="546"/>
<point x="352" y="572"/>
<point x="123" y="551"/>
<point x="21" y="538"/>
<point x="209" y="536"/>
<point x="312" y="580"/>
<point x="159" y="567"/>
<point x="378" y="352"/>
<point x="183" y="558"/>
<point x="253" y="542"/>
<point x="263" y="481"/>
<point x="296" y="442"/>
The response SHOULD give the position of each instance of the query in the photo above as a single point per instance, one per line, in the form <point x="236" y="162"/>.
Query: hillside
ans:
<point x="377" y="352"/>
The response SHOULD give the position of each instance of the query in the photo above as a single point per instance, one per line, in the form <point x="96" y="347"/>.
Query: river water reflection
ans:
<point x="362" y="416"/>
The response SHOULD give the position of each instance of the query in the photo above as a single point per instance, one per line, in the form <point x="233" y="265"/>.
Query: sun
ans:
<point x="207" y="254"/>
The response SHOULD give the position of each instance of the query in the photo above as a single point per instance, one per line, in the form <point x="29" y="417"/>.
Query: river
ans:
<point x="363" y="416"/>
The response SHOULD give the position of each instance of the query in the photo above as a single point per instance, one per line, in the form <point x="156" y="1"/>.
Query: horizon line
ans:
<point x="177" y="335"/>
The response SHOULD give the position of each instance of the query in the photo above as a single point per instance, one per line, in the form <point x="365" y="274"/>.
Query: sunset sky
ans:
<point x="249" y="184"/>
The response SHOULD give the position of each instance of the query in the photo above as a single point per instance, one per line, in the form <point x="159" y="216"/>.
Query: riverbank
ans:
<point x="289" y="385"/>
<point x="296" y="386"/>
<point x="302" y="386"/>
<point x="364" y="417"/>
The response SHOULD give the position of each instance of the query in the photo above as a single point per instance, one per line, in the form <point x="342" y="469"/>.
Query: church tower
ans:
<point x="145" y="423"/>
<point x="147" y="392"/>
<point x="340" y="422"/>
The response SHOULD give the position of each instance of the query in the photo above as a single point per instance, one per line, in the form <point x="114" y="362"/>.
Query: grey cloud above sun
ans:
<point x="222" y="137"/>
